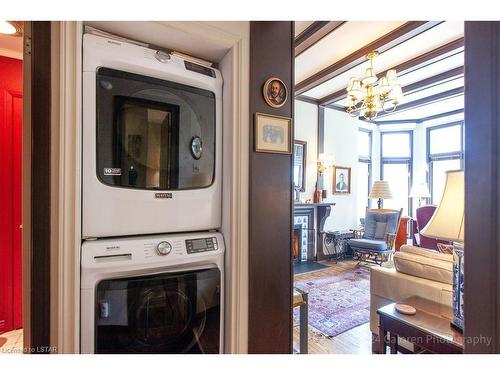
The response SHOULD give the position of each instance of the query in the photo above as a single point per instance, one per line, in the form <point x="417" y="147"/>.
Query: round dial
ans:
<point x="163" y="248"/>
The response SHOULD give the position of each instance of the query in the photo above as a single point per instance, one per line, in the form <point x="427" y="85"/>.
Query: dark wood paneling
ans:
<point x="407" y="66"/>
<point x="482" y="184"/>
<point x="270" y="204"/>
<point x="382" y="44"/>
<point x="40" y="185"/>
<point x="314" y="33"/>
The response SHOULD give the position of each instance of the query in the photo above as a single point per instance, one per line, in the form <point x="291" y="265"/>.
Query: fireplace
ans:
<point x="297" y="241"/>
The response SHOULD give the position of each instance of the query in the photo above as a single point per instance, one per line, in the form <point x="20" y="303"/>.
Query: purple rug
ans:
<point x="338" y="303"/>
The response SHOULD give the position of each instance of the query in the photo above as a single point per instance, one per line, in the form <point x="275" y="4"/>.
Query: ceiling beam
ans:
<point x="444" y="114"/>
<point x="307" y="99"/>
<point x="411" y="65"/>
<point x="314" y="33"/>
<point x="440" y="78"/>
<point x="424" y="101"/>
<point x="382" y="44"/>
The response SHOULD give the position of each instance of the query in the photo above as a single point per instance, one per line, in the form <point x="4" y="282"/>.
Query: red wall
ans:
<point x="10" y="193"/>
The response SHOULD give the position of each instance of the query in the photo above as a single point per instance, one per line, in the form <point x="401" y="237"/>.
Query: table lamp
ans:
<point x="447" y="223"/>
<point x="420" y="191"/>
<point x="380" y="190"/>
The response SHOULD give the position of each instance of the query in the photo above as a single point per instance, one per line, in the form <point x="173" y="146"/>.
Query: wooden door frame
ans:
<point x="37" y="186"/>
<point x="482" y="187"/>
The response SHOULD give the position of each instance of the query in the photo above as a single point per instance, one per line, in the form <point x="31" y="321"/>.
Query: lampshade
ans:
<point x="447" y="223"/>
<point x="420" y="190"/>
<point x="381" y="189"/>
<point x="384" y="86"/>
<point x="392" y="76"/>
<point x="370" y="77"/>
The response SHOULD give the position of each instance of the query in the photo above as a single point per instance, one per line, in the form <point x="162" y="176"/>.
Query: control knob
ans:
<point x="163" y="248"/>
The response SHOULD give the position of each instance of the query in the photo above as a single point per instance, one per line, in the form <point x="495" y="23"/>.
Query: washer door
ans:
<point x="165" y="313"/>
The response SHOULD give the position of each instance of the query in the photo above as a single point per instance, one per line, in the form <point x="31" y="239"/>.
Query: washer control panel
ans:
<point x="163" y="248"/>
<point x="199" y="245"/>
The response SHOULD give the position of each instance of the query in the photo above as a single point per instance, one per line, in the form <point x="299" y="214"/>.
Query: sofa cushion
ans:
<point x="375" y="245"/>
<point x="424" y="267"/>
<point x="390" y="219"/>
<point x="428" y="253"/>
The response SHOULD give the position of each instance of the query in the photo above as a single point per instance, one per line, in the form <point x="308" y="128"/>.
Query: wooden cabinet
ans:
<point x="402" y="234"/>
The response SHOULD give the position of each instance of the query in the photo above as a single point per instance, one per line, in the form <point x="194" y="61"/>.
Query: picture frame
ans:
<point x="272" y="134"/>
<point x="299" y="164"/>
<point x="341" y="180"/>
<point x="275" y="92"/>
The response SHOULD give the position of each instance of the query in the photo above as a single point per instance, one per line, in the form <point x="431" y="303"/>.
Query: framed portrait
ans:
<point x="299" y="164"/>
<point x="273" y="134"/>
<point x="275" y="92"/>
<point x="341" y="180"/>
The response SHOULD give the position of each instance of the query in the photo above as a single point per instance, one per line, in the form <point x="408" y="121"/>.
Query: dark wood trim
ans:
<point x="394" y="122"/>
<point x="438" y="79"/>
<point x="321" y="130"/>
<point x="38" y="123"/>
<point x="306" y="99"/>
<point x="408" y="66"/>
<point x="314" y="33"/>
<point x="270" y="276"/>
<point x="382" y="44"/>
<point x="424" y="101"/>
<point x="444" y="114"/>
<point x="482" y="183"/>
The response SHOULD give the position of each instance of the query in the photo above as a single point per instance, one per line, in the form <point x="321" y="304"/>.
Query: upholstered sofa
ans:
<point x="416" y="272"/>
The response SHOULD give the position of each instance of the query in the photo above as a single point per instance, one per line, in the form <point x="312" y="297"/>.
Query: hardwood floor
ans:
<point x="354" y="341"/>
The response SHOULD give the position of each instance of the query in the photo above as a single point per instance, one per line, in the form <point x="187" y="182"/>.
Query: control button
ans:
<point x="214" y="241"/>
<point x="163" y="248"/>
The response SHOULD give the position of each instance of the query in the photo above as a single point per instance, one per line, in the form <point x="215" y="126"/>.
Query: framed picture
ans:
<point x="273" y="134"/>
<point x="299" y="164"/>
<point x="341" y="180"/>
<point x="275" y="92"/>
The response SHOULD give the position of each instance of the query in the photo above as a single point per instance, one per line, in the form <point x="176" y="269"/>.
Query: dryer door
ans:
<point x="166" y="313"/>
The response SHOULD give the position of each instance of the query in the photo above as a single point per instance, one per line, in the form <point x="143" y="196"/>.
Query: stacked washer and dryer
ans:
<point x="152" y="260"/>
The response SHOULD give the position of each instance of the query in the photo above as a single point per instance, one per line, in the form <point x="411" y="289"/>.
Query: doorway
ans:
<point x="11" y="110"/>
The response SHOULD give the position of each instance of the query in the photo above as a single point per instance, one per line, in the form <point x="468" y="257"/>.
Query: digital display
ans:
<point x="199" y="244"/>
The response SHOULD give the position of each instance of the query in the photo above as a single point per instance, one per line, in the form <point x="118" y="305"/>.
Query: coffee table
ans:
<point x="428" y="329"/>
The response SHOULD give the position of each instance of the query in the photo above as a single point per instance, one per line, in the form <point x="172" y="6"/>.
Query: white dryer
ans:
<point x="153" y="294"/>
<point x="152" y="141"/>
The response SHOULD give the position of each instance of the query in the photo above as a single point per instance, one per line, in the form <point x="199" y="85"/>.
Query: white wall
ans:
<point x="341" y="141"/>
<point x="306" y="129"/>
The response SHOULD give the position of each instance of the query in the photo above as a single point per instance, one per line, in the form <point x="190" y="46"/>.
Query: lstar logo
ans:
<point x="163" y="195"/>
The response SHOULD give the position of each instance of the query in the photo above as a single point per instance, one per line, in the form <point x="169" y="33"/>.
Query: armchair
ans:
<point x="375" y="242"/>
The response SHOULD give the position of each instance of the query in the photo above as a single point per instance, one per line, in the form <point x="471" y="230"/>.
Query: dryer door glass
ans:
<point x="167" y="313"/>
<point x="152" y="133"/>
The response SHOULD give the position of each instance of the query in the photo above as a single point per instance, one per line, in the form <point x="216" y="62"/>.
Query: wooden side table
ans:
<point x="300" y="299"/>
<point x="428" y="329"/>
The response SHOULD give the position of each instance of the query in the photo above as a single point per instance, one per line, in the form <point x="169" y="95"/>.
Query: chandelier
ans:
<point x="369" y="96"/>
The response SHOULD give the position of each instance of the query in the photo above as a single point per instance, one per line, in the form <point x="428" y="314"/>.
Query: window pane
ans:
<point x="363" y="178"/>
<point x="439" y="169"/>
<point x="397" y="176"/>
<point x="445" y="139"/>
<point x="364" y="144"/>
<point x="396" y="145"/>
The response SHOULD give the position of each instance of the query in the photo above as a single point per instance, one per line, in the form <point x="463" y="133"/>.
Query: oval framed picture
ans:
<point x="275" y="92"/>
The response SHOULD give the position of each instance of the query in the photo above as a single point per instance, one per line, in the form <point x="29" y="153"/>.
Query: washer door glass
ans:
<point x="166" y="313"/>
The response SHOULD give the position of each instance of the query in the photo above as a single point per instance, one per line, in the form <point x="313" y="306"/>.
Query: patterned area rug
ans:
<point x="338" y="303"/>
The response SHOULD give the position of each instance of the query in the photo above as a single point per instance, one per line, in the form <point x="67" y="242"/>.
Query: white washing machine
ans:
<point x="153" y="294"/>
